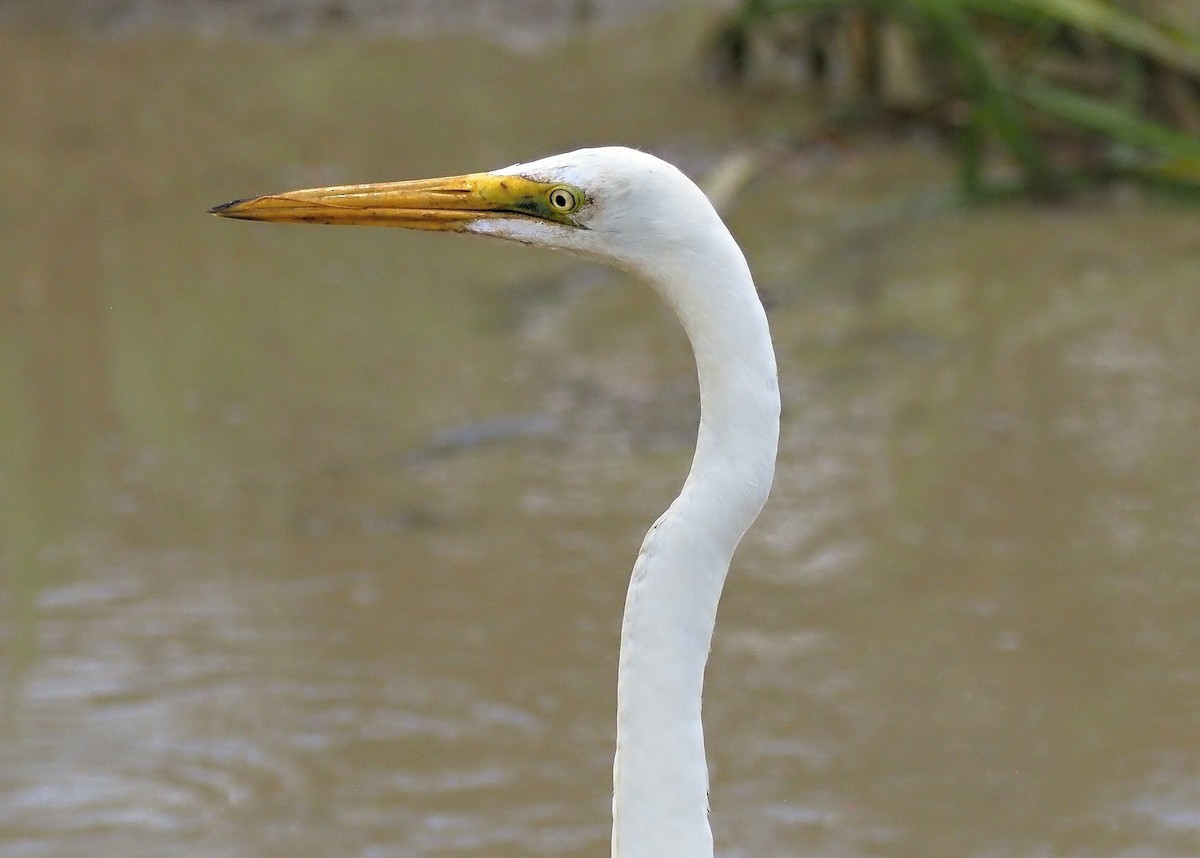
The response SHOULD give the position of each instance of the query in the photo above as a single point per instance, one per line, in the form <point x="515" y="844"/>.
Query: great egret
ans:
<point x="640" y="214"/>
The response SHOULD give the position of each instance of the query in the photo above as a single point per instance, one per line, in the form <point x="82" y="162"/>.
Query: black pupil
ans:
<point x="561" y="200"/>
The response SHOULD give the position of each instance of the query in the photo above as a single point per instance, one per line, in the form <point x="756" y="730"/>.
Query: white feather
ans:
<point x="645" y="216"/>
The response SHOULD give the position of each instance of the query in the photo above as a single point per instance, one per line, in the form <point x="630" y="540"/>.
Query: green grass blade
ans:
<point x="1106" y="20"/>
<point x="1121" y="125"/>
<point x="991" y="100"/>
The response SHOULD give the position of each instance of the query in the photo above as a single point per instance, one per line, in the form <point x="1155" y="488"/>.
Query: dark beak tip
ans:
<point x="225" y="208"/>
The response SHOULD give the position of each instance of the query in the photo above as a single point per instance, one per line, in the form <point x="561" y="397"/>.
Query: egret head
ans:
<point x="613" y="203"/>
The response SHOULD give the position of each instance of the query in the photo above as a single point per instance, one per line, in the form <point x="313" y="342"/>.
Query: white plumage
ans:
<point x="640" y="214"/>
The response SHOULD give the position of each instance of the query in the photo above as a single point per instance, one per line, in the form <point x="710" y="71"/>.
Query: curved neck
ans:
<point x="660" y="777"/>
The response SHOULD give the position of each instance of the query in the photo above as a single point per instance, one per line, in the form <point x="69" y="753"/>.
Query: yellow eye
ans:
<point x="564" y="200"/>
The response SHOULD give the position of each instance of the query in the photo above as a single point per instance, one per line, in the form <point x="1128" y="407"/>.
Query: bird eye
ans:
<point x="564" y="200"/>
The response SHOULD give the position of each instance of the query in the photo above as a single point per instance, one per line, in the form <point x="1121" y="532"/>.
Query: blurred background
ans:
<point x="314" y="542"/>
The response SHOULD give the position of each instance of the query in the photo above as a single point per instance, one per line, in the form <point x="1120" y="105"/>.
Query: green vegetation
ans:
<point x="1061" y="92"/>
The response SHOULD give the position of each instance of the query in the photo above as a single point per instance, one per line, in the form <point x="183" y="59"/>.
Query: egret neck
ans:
<point x="660" y="775"/>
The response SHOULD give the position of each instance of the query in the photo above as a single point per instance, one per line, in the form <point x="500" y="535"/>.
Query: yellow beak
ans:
<point x="438" y="204"/>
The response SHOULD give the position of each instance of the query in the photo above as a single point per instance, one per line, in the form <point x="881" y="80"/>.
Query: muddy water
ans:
<point x="314" y="542"/>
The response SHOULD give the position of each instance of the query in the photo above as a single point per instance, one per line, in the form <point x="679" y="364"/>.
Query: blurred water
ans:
<point x="315" y="541"/>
